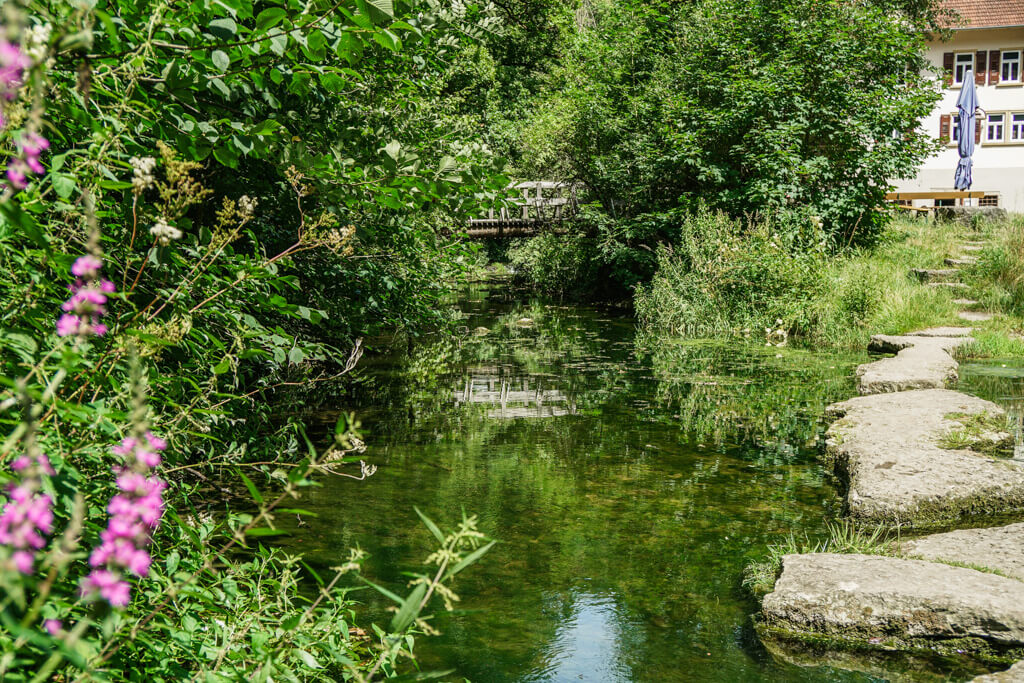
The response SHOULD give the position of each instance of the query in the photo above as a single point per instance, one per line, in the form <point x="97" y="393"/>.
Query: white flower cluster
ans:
<point x="37" y="42"/>
<point x="164" y="233"/>
<point x="246" y="206"/>
<point x="142" y="177"/>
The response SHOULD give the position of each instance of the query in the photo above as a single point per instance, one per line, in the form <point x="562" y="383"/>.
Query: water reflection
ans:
<point x="586" y="645"/>
<point x="628" y="488"/>
<point x="516" y="396"/>
<point x="1000" y="380"/>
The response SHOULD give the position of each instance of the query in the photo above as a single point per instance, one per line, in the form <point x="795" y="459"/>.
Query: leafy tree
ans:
<point x="759" y="106"/>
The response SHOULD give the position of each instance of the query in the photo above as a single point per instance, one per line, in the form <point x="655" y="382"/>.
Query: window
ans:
<point x="989" y="200"/>
<point x="964" y="63"/>
<point x="1017" y="127"/>
<point x="1011" y="66"/>
<point x="956" y="128"/>
<point x="995" y="127"/>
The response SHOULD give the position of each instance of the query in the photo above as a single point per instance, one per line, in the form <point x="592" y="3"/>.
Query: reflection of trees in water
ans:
<point x="728" y="393"/>
<point x="1000" y="381"/>
<point x="675" y="470"/>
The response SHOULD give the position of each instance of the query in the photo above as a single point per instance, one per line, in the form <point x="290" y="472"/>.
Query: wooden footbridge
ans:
<point x="541" y="203"/>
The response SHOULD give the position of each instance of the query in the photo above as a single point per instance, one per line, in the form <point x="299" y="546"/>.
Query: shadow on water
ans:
<point x="628" y="487"/>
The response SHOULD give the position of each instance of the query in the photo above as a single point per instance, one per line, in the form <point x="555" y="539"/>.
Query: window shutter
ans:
<point x="947" y="66"/>
<point x="993" y="67"/>
<point x="944" y="122"/>
<point x="977" y="130"/>
<point x="979" y="67"/>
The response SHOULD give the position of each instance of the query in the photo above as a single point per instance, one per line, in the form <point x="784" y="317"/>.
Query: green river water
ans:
<point x="628" y="487"/>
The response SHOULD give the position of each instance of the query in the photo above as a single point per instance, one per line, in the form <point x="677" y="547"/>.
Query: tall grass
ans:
<point x="733" y="277"/>
<point x="999" y="273"/>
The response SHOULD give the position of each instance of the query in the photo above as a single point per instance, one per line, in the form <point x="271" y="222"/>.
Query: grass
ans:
<point x="753" y="283"/>
<point x="841" y="537"/>
<point x="978" y="432"/>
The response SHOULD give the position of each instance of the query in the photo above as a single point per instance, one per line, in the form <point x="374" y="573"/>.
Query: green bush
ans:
<point x="726" y="276"/>
<point x="555" y="264"/>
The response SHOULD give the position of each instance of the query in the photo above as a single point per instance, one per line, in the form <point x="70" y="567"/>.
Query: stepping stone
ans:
<point x="1000" y="548"/>
<point x="1015" y="674"/>
<point x="975" y="316"/>
<point x="886" y="447"/>
<point x="932" y="275"/>
<point x="972" y="247"/>
<point x="921" y="362"/>
<point x="932" y="332"/>
<point x="964" y="261"/>
<point x="966" y="302"/>
<point x="948" y="285"/>
<point x="893" y="603"/>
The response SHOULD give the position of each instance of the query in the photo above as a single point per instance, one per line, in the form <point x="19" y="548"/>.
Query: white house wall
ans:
<point x="998" y="169"/>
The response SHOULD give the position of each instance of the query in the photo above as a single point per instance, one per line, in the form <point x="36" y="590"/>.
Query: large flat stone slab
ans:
<point x="939" y="332"/>
<point x="1000" y="548"/>
<point x="886" y="447"/>
<point x="922" y="361"/>
<point x="897" y="603"/>
<point x="934" y="275"/>
<point x="1015" y="674"/>
<point x="975" y="316"/>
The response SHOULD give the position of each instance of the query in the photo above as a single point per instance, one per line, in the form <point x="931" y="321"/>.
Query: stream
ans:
<point x="628" y="484"/>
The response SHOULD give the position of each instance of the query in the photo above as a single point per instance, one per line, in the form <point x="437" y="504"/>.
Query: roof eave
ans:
<point x="982" y="28"/>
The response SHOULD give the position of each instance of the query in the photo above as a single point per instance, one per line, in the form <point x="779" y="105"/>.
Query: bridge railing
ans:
<point x="539" y="202"/>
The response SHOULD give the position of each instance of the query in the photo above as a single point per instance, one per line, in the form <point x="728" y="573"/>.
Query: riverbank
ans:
<point x="747" y="279"/>
<point x="913" y="455"/>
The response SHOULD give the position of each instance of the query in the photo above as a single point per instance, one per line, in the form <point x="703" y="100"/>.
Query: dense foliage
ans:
<point x="235" y="193"/>
<point x="762" y="107"/>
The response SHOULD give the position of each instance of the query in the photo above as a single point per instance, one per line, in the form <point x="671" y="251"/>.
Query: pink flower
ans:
<point x="52" y="626"/>
<point x="87" y="304"/>
<point x="13" y="63"/>
<point x="27" y="518"/>
<point x="109" y="585"/>
<point x="32" y="146"/>
<point x="135" y="513"/>
<point x="86" y="266"/>
<point x="17" y="173"/>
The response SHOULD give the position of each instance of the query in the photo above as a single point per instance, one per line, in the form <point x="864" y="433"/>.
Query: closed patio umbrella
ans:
<point x="966" y="106"/>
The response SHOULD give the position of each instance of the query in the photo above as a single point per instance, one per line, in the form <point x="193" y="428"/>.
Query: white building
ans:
<point x="988" y="40"/>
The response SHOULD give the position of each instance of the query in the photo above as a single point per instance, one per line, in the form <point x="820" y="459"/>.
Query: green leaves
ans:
<point x="386" y="38"/>
<point x="221" y="60"/>
<point x="224" y="28"/>
<point x="269" y="18"/>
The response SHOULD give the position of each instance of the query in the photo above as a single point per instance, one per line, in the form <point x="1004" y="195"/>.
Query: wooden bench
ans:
<point x="941" y="194"/>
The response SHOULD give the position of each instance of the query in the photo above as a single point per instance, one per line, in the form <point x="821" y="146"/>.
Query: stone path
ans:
<point x="1014" y="674"/>
<point x="888" y="448"/>
<point x="922" y="361"/>
<point x="914" y="454"/>
<point x="1000" y="548"/>
<point x="897" y="603"/>
<point x="949" y="279"/>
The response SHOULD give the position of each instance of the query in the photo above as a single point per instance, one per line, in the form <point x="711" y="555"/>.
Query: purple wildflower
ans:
<point x="52" y="626"/>
<point x="18" y="168"/>
<point x="87" y="304"/>
<point x="135" y="513"/>
<point x="27" y="517"/>
<point x="13" y="63"/>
